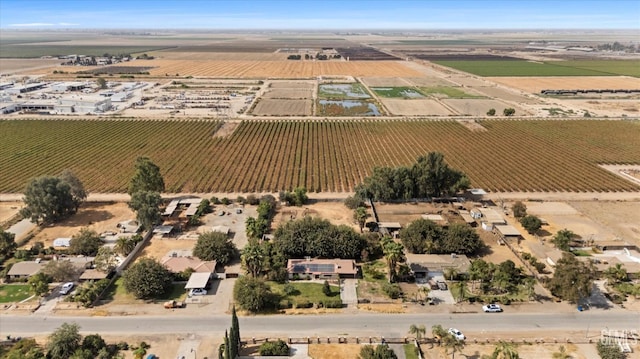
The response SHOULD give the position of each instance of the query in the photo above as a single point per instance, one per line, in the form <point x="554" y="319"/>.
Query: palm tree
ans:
<point x="616" y="274"/>
<point x="124" y="246"/>
<point x="253" y="258"/>
<point x="451" y="274"/>
<point x="460" y="291"/>
<point x="561" y="353"/>
<point x="424" y="290"/>
<point x="438" y="332"/>
<point x="452" y="343"/>
<point x="418" y="331"/>
<point x="505" y="350"/>
<point x="394" y="253"/>
<point x="360" y="216"/>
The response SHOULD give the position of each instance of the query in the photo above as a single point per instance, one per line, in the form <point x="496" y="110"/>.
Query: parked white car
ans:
<point x="66" y="288"/>
<point x="197" y="291"/>
<point x="492" y="308"/>
<point x="456" y="333"/>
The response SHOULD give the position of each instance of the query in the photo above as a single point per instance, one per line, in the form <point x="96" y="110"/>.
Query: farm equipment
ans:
<point x="173" y="304"/>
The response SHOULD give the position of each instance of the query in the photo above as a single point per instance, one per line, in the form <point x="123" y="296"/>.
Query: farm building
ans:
<point x="390" y="228"/>
<point x="488" y="215"/>
<point x="322" y="268"/>
<point x="198" y="280"/>
<point x="17" y="90"/>
<point x="69" y="86"/>
<point x="466" y="216"/>
<point x="62" y="242"/>
<point x="163" y="230"/>
<point x="429" y="265"/>
<point x="508" y="232"/>
<point x="26" y="269"/>
<point x="184" y="207"/>
<point x="83" y="105"/>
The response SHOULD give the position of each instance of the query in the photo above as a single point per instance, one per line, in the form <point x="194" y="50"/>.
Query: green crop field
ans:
<point x="555" y="68"/>
<point x="451" y="92"/>
<point x="35" y="51"/>
<point x="330" y="155"/>
<point x="397" y="92"/>
<point x="616" y="67"/>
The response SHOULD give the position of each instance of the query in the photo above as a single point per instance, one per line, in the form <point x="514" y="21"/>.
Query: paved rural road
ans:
<point x="475" y="325"/>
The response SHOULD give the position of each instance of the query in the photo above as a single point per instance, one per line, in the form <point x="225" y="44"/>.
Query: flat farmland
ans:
<point x="283" y="107"/>
<point x="17" y="65"/>
<point x="220" y="56"/>
<point x="386" y="81"/>
<point x="535" y="84"/>
<point x="479" y="107"/>
<point x="293" y="85"/>
<point x="276" y="69"/>
<point x="415" y="107"/>
<point x="503" y="94"/>
<point x="288" y="93"/>
<point x="528" y="68"/>
<point x="320" y="155"/>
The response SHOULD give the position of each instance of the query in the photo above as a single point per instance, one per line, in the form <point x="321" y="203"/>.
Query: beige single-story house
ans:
<point x="180" y="264"/>
<point x="322" y="268"/>
<point x="23" y="270"/>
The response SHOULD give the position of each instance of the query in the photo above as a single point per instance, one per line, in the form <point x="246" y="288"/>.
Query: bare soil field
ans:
<point x="430" y="81"/>
<point x="280" y="107"/>
<point x="503" y="94"/>
<point x="34" y="66"/>
<point x="479" y="107"/>
<point x="622" y="218"/>
<point x="275" y="69"/>
<point x="537" y="84"/>
<point x="335" y="212"/>
<point x="99" y="217"/>
<point x="220" y="56"/>
<point x="302" y="85"/>
<point x="417" y="107"/>
<point x="606" y="107"/>
<point x="8" y="210"/>
<point x="468" y="81"/>
<point x="290" y="94"/>
<point x="334" y="351"/>
<point x="386" y="81"/>
<point x="159" y="247"/>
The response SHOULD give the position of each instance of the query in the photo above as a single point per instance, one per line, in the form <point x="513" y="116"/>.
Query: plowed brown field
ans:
<point x="537" y="84"/>
<point x="277" y="69"/>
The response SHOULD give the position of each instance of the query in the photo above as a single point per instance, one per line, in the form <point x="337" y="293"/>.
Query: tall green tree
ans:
<point x="47" y="199"/>
<point x="105" y="260"/>
<point x="434" y="178"/>
<point x="124" y="246"/>
<point x="562" y="239"/>
<point x="39" y="283"/>
<point x="504" y="350"/>
<point x="360" y="215"/>
<point x="253" y="294"/>
<point x="235" y="327"/>
<point x="7" y="244"/>
<point x="147" y="207"/>
<point x="572" y="279"/>
<point x="394" y="254"/>
<point x="86" y="242"/>
<point x="78" y="193"/>
<point x="227" y="346"/>
<point x="215" y="246"/>
<point x="421" y="236"/>
<point x="64" y="341"/>
<point x="519" y="209"/>
<point x="147" y="177"/>
<point x="61" y="271"/>
<point x="452" y="344"/>
<point x="531" y="223"/>
<point x="418" y="331"/>
<point x="253" y="258"/>
<point x="147" y="278"/>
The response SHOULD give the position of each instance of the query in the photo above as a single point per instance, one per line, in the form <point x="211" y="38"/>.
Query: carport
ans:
<point x="198" y="281"/>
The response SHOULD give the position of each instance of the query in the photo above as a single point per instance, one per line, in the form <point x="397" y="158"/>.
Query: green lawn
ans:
<point x="304" y="292"/>
<point x="10" y="293"/>
<point x="410" y="351"/>
<point x="527" y="68"/>
<point x="451" y="92"/>
<point x="118" y="294"/>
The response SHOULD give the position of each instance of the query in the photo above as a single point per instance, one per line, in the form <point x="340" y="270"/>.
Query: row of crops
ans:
<point x="320" y="155"/>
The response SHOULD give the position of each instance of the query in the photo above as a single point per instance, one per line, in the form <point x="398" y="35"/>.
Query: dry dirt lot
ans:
<point x="99" y="217"/>
<point x="417" y="107"/>
<point x="302" y="85"/>
<point x="534" y="84"/>
<point x="606" y="107"/>
<point x="335" y="212"/>
<point x="8" y="210"/>
<point x="34" y="66"/>
<point x="279" y="107"/>
<point x="273" y="69"/>
<point x="288" y="93"/>
<point x="386" y="82"/>
<point x="479" y="107"/>
<point x="502" y="94"/>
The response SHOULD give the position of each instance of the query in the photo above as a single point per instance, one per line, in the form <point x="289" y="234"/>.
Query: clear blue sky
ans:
<point x="321" y="14"/>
